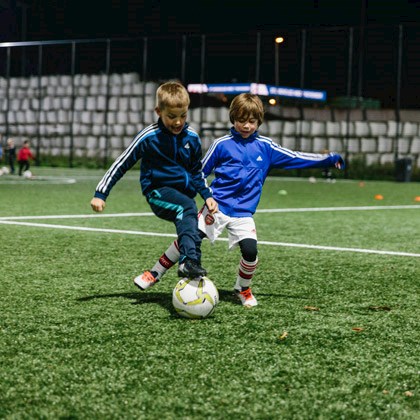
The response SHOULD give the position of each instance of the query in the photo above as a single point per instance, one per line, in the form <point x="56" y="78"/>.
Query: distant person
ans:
<point x="24" y="157"/>
<point x="11" y="155"/>
<point x="170" y="176"/>
<point x="241" y="161"/>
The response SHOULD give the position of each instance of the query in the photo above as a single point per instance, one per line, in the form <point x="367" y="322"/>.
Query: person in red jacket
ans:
<point x="24" y="156"/>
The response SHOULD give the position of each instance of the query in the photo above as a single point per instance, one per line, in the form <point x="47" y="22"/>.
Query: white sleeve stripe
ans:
<point x="291" y="153"/>
<point x="103" y="184"/>
<point x="213" y="147"/>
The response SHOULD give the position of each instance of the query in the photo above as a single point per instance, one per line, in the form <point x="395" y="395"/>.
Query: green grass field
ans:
<point x="335" y="336"/>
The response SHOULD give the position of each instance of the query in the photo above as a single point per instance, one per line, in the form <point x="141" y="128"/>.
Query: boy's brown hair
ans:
<point x="244" y="106"/>
<point x="172" y="95"/>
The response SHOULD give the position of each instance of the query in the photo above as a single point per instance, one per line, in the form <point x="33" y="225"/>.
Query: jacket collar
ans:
<point x="238" y="137"/>
<point x="165" y="130"/>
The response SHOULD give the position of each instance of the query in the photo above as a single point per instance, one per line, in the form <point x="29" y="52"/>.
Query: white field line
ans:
<point x="289" y="210"/>
<point x="337" y="248"/>
<point x="360" y="208"/>
<point x="46" y="225"/>
<point x="76" y="216"/>
<point x="143" y="233"/>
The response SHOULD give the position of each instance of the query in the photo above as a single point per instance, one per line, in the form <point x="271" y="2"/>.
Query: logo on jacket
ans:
<point x="187" y="146"/>
<point x="259" y="159"/>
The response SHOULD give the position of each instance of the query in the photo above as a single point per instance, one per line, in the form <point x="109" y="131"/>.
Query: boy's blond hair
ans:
<point x="244" y="106"/>
<point x="172" y="95"/>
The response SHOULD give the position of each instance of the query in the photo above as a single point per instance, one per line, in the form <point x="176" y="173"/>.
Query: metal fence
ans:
<point x="353" y="65"/>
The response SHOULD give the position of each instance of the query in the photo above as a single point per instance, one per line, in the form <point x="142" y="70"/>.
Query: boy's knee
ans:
<point x="249" y="249"/>
<point x="190" y="210"/>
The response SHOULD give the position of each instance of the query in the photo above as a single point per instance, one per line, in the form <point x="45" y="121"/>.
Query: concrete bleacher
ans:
<point x="96" y="114"/>
<point x="373" y="140"/>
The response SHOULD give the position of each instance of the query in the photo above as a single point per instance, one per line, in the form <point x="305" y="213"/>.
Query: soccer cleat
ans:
<point x="246" y="297"/>
<point x="191" y="269"/>
<point x="146" y="280"/>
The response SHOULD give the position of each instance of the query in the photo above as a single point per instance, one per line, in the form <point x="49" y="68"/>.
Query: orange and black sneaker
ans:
<point x="246" y="297"/>
<point x="146" y="280"/>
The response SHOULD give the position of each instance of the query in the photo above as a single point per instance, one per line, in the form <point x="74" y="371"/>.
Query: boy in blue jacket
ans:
<point x="241" y="161"/>
<point x="170" y="176"/>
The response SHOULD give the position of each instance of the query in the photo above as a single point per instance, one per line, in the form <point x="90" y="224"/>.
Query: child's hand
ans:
<point x="212" y="205"/>
<point x="97" y="204"/>
<point x="339" y="161"/>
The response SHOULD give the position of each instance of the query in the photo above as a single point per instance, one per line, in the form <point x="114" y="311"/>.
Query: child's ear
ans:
<point x="158" y="111"/>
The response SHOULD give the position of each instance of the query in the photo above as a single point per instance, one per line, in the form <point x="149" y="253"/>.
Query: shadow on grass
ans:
<point x="283" y="296"/>
<point x="163" y="299"/>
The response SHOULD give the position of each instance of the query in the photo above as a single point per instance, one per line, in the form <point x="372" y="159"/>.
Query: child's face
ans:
<point x="246" y="126"/>
<point x="173" y="118"/>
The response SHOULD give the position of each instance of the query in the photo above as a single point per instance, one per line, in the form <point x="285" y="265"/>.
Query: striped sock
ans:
<point x="246" y="271"/>
<point x="169" y="258"/>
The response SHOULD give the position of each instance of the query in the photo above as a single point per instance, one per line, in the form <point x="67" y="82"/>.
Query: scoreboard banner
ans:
<point x="258" y="89"/>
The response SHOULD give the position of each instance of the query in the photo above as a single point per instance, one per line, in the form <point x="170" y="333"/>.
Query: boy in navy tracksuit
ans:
<point x="241" y="161"/>
<point x="170" y="178"/>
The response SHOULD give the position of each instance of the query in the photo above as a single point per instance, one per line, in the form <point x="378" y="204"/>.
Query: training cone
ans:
<point x="417" y="198"/>
<point x="379" y="197"/>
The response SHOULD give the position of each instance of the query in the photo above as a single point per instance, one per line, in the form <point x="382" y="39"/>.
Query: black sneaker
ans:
<point x="191" y="269"/>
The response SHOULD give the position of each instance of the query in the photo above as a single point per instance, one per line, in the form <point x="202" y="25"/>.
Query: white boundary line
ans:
<point x="40" y="180"/>
<point x="283" y="244"/>
<point x="360" y="208"/>
<point x="287" y="210"/>
<point x="76" y="216"/>
<point x="88" y="229"/>
<point x="335" y="248"/>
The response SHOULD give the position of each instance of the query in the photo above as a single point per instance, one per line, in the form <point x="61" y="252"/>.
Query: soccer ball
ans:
<point x="195" y="298"/>
<point x="5" y="170"/>
<point x="27" y="174"/>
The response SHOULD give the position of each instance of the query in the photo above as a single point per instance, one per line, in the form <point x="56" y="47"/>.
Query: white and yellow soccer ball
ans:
<point x="195" y="298"/>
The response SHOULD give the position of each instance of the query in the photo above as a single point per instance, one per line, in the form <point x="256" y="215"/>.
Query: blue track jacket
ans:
<point x="241" y="166"/>
<point x="166" y="161"/>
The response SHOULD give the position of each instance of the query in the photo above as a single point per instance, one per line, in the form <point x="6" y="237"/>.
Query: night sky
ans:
<point x="77" y="19"/>
<point x="63" y="19"/>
